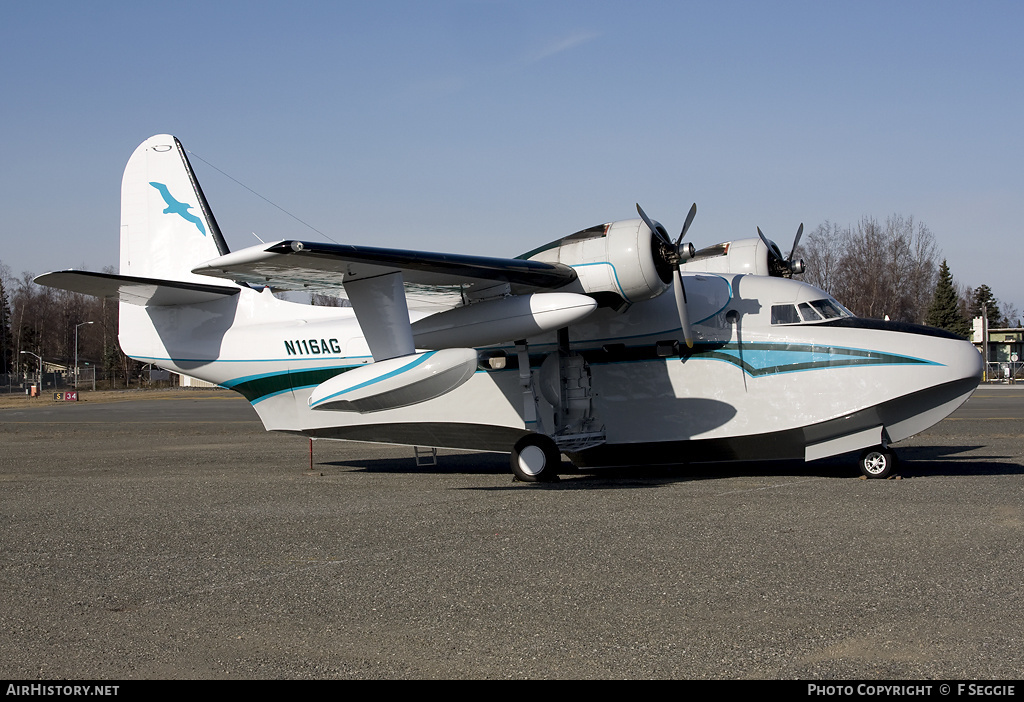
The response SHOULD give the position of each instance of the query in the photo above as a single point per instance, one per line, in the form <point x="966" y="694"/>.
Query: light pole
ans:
<point x="76" y="351"/>
<point x="40" y="391"/>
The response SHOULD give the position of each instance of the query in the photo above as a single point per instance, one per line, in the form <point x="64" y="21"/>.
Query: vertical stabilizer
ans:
<point x="167" y="228"/>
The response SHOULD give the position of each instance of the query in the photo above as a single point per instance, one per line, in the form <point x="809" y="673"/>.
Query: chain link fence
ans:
<point x="88" y="379"/>
<point x="1004" y="371"/>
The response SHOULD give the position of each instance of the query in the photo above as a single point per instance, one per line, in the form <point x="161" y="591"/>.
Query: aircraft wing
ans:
<point x="301" y="265"/>
<point x="375" y="279"/>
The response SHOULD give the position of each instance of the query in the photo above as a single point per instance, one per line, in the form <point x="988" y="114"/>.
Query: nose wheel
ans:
<point x="877" y="462"/>
<point x="535" y="458"/>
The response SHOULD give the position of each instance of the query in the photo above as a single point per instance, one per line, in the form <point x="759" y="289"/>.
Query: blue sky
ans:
<point x="492" y="127"/>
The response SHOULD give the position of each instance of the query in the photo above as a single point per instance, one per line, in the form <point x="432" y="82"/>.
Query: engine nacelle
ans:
<point x="748" y="256"/>
<point x="620" y="258"/>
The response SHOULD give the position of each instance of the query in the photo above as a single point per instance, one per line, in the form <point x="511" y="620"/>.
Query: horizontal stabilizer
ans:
<point x="135" y="290"/>
<point x="301" y="265"/>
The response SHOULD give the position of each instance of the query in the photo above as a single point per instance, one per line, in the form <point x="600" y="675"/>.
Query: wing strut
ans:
<point x="383" y="314"/>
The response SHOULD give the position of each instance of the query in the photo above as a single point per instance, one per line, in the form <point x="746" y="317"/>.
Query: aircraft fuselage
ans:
<point x="749" y="389"/>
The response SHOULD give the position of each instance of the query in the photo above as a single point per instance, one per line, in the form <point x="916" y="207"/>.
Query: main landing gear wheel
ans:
<point x="535" y="458"/>
<point x="877" y="462"/>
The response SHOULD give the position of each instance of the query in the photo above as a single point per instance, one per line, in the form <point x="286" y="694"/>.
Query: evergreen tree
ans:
<point x="944" y="312"/>
<point x="5" y="330"/>
<point x="983" y="298"/>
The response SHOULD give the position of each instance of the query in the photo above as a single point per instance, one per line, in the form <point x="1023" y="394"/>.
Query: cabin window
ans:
<point x="491" y="360"/>
<point x="785" y="314"/>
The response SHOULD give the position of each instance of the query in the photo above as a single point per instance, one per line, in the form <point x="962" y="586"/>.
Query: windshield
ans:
<point x="814" y="311"/>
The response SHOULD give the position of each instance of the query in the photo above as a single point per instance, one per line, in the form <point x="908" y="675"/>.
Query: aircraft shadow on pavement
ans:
<point x="914" y="462"/>
<point x="619" y="478"/>
<point x="594" y="478"/>
<point x="920" y="461"/>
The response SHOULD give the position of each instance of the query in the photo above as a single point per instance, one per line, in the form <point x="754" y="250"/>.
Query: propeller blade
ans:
<point x="673" y="258"/>
<point x="653" y="226"/>
<point x="686" y="224"/>
<point x="684" y="315"/>
<point x="796" y="241"/>
<point x="771" y="247"/>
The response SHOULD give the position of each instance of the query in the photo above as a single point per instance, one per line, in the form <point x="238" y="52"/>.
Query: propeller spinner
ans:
<point x="674" y="255"/>
<point x="784" y="267"/>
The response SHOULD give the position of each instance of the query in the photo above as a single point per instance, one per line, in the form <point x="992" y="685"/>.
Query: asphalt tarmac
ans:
<point x="174" y="538"/>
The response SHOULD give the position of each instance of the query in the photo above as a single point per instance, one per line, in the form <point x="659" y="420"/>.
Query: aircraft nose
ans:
<point x="974" y="363"/>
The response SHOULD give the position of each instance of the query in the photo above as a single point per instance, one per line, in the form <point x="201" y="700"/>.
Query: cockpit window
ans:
<point x="808" y="313"/>
<point x="814" y="311"/>
<point x="830" y="309"/>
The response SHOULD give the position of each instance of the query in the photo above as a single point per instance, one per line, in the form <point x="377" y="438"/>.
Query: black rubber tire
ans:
<point x="877" y="463"/>
<point x="535" y="458"/>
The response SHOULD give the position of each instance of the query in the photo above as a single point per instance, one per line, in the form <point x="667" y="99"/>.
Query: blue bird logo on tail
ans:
<point x="178" y="208"/>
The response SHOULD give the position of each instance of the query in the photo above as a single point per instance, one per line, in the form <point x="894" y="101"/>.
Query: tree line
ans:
<point x="42" y="321"/>
<point x="889" y="269"/>
<point x="892" y="270"/>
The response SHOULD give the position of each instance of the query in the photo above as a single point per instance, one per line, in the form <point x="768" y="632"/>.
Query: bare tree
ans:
<point x="877" y="270"/>
<point x="44" y="321"/>
<point x="824" y="249"/>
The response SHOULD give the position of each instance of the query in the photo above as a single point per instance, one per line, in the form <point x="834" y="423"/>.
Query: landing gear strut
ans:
<point x="877" y="462"/>
<point x="535" y="458"/>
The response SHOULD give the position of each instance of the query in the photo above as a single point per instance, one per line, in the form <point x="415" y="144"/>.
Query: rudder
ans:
<point x="167" y="227"/>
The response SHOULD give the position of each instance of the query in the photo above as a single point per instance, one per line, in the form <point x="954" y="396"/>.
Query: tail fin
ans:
<point x="167" y="228"/>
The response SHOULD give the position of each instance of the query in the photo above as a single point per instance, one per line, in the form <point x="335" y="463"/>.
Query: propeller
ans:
<point x="674" y="255"/>
<point x="784" y="267"/>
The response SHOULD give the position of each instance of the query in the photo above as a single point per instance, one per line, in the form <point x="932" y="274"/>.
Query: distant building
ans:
<point x="187" y="381"/>
<point x="1003" y="350"/>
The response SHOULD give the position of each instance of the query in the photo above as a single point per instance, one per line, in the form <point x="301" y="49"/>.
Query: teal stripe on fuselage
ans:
<point x="756" y="359"/>
<point x="762" y="359"/>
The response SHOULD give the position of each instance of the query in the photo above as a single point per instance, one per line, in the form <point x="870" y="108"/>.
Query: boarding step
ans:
<point x="425" y="455"/>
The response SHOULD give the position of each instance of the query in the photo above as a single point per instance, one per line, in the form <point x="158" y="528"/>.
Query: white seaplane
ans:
<point x="574" y="348"/>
